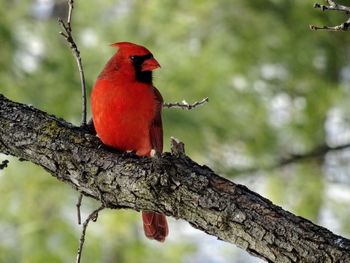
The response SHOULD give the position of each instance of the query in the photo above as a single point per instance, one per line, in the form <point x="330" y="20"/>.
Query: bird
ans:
<point x="126" y="113"/>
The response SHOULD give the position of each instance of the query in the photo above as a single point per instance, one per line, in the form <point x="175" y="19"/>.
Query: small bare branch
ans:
<point x="78" y="205"/>
<point x="63" y="34"/>
<point x="70" y="10"/>
<point x="317" y="152"/>
<point x="68" y="36"/>
<point x="332" y="5"/>
<point x="93" y="216"/>
<point x="185" y="105"/>
<point x="342" y="27"/>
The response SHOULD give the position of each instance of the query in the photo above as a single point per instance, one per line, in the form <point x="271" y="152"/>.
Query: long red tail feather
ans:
<point x="155" y="225"/>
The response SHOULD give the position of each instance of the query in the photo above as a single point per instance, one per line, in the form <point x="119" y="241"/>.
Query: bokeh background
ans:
<point x="275" y="89"/>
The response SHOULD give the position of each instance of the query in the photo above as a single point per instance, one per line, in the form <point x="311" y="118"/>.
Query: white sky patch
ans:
<point x="280" y="110"/>
<point x="273" y="71"/>
<point x="89" y="37"/>
<point x="120" y="10"/>
<point x="26" y="61"/>
<point x="239" y="82"/>
<point x="337" y="129"/>
<point x="335" y="193"/>
<point x="35" y="47"/>
<point x="230" y="155"/>
<point x="30" y="51"/>
<point x="345" y="75"/>
<point x="338" y="192"/>
<point x="42" y="9"/>
<point x="235" y="155"/>
<point x="337" y="167"/>
<point x="328" y="220"/>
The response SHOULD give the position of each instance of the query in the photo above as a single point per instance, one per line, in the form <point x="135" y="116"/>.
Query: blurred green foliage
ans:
<point x="271" y="83"/>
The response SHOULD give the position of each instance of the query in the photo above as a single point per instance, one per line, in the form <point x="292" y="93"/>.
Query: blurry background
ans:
<point x="275" y="89"/>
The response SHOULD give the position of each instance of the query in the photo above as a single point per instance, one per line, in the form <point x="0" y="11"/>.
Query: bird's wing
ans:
<point x="156" y="131"/>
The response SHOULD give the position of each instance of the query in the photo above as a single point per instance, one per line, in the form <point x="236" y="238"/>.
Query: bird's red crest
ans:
<point x="131" y="48"/>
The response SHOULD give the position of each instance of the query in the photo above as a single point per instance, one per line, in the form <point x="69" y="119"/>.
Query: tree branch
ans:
<point x="185" y="105"/>
<point x="175" y="186"/>
<point x="68" y="36"/>
<point x="317" y="152"/>
<point x="332" y="5"/>
<point x="93" y="216"/>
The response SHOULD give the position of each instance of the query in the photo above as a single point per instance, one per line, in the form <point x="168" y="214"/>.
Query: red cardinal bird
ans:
<point x="126" y="112"/>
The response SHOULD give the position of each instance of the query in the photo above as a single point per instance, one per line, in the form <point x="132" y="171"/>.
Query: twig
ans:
<point x="332" y="5"/>
<point x="315" y="153"/>
<point x="3" y="164"/>
<point x="185" y="105"/>
<point x="342" y="27"/>
<point x="93" y="216"/>
<point x="78" y="205"/>
<point x="67" y="34"/>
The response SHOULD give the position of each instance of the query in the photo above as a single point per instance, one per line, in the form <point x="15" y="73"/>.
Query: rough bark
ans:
<point x="175" y="186"/>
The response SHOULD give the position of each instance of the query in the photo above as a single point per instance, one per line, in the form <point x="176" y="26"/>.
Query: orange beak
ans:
<point x="150" y="64"/>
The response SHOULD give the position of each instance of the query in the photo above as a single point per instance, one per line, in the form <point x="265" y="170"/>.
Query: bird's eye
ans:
<point x="136" y="60"/>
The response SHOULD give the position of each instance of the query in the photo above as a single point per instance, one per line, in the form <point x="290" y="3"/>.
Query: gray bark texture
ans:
<point x="173" y="185"/>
